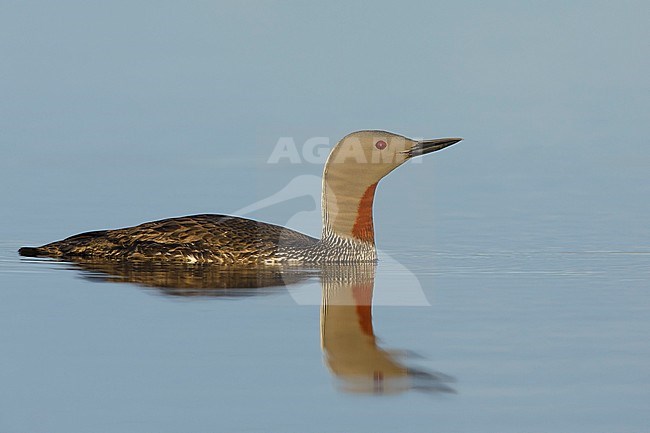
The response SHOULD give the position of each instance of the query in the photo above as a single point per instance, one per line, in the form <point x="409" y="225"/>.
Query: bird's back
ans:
<point x="203" y="238"/>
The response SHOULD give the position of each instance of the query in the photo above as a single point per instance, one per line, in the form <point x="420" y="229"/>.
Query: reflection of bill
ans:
<point x="391" y="273"/>
<point x="349" y="343"/>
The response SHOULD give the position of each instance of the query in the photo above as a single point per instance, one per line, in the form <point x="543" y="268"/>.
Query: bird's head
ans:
<point x="370" y="155"/>
<point x="355" y="166"/>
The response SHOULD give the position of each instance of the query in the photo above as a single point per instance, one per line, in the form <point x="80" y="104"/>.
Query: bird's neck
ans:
<point x="346" y="322"/>
<point x="347" y="208"/>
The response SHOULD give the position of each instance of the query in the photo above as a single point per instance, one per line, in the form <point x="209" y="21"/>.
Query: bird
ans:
<point x="348" y="340"/>
<point x="352" y="171"/>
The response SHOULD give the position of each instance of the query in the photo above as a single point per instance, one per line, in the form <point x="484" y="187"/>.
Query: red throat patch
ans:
<point x="363" y="298"/>
<point x="363" y="228"/>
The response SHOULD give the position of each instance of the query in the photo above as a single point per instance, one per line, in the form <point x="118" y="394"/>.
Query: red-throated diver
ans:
<point x="354" y="167"/>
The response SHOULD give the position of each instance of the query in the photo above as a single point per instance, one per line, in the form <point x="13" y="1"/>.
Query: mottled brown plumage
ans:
<point x="206" y="238"/>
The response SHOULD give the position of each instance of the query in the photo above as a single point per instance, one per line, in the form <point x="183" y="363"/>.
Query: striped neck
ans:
<point x="347" y="212"/>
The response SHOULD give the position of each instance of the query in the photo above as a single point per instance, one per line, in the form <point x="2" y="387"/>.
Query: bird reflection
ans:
<point x="197" y="280"/>
<point x="347" y="336"/>
<point x="349" y="343"/>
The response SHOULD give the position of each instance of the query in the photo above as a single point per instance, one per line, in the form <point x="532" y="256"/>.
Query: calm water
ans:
<point x="472" y="328"/>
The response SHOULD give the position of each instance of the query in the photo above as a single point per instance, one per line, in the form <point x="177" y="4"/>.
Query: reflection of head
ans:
<point x="349" y="343"/>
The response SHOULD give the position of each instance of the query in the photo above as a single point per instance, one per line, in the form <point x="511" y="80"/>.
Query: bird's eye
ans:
<point x="381" y="145"/>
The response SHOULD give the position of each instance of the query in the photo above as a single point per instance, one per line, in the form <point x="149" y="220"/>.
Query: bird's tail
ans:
<point x="44" y="251"/>
<point x="29" y="251"/>
<point x="76" y="245"/>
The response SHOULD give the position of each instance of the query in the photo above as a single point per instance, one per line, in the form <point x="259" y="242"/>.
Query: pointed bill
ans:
<point x="423" y="147"/>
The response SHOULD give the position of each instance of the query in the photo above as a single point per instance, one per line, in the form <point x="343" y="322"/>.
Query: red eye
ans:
<point x="381" y="145"/>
